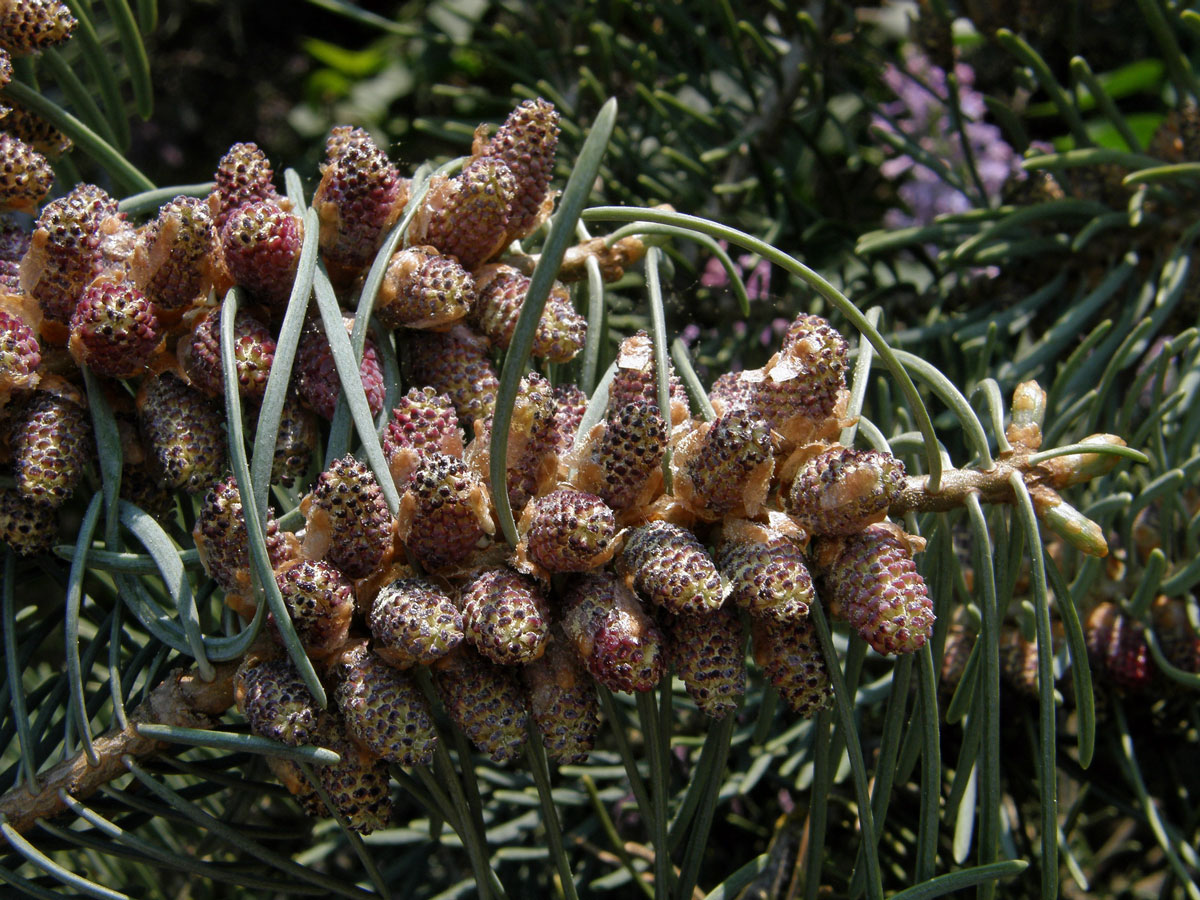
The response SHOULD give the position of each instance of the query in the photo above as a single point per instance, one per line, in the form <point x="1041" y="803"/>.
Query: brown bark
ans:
<point x="182" y="700"/>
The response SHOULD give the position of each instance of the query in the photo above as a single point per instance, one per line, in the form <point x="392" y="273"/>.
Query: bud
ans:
<point x="253" y="354"/>
<point x="1117" y="647"/>
<point x="25" y="175"/>
<point x="423" y="422"/>
<point x="614" y="636"/>
<point x="877" y="589"/>
<point x="51" y="443"/>
<point x="20" y="353"/>
<point x="768" y="578"/>
<point x="1028" y="412"/>
<point x="444" y="516"/>
<point x="456" y="364"/>
<point x="30" y="26"/>
<point x="114" y="330"/>
<point x="484" y="700"/>
<point x="260" y="242"/>
<point x="424" y="289"/>
<point x="183" y="433"/>
<point x="668" y="566"/>
<point x="726" y="466"/>
<point x="841" y="491"/>
<point x="790" y="657"/>
<point x="414" y="623"/>
<point x="172" y="261"/>
<point x="383" y="709"/>
<point x="243" y="175"/>
<point x="505" y="617"/>
<point x="360" y="197"/>
<point x="624" y="465"/>
<point x="1068" y="523"/>
<point x="358" y="786"/>
<point x="562" y="700"/>
<point x="276" y="702"/>
<point x="709" y="654"/>
<point x="501" y="291"/>
<point x="567" y="531"/>
<point x="320" y="603"/>
<point x="1076" y="468"/>
<point x="65" y="251"/>
<point x="467" y="216"/>
<point x="27" y="527"/>
<point x="346" y="519"/>
<point x="316" y="374"/>
<point x="526" y="143"/>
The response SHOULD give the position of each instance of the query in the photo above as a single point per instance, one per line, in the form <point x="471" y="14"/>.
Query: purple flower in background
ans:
<point x="921" y="113"/>
<point x="758" y="282"/>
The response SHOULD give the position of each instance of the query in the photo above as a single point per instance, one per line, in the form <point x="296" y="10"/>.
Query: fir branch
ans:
<point x="182" y="700"/>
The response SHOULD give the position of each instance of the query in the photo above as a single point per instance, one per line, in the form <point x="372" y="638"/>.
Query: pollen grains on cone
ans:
<point x="768" y="578"/>
<point x="275" y="701"/>
<point x="790" y="657"/>
<point x="358" y="786"/>
<point x="222" y="541"/>
<point x="14" y="244"/>
<point x="320" y="602"/>
<point x="669" y="566"/>
<point x="65" y="250"/>
<point x="500" y="297"/>
<point x="1117" y="648"/>
<point x="875" y="586"/>
<point x="346" y="518"/>
<point x="114" y="329"/>
<point x="20" y="353"/>
<point x="484" y="700"/>
<point x="316" y="375"/>
<point x="617" y="640"/>
<point x="636" y="380"/>
<point x="505" y="616"/>
<point x="562" y="700"/>
<point x="708" y="652"/>
<point x="172" y="261"/>
<point x="526" y="142"/>
<point x="568" y="531"/>
<point x="444" y="513"/>
<point x="414" y="622"/>
<point x="25" y="175"/>
<point x="625" y="463"/>
<point x="423" y="422"/>
<point x="30" y="26"/>
<point x="531" y="462"/>
<point x="51" y="442"/>
<point x="244" y="175"/>
<point x="466" y="216"/>
<point x="27" y="527"/>
<point x="842" y="490"/>
<point x="296" y="440"/>
<point x="729" y="468"/>
<point x="253" y="352"/>
<point x="424" y="289"/>
<point x="260" y="243"/>
<point x="183" y="433"/>
<point x="456" y="363"/>
<point x="383" y="709"/>
<point x="360" y="196"/>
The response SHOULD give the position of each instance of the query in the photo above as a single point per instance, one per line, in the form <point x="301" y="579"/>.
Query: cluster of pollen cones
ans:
<point x="615" y="581"/>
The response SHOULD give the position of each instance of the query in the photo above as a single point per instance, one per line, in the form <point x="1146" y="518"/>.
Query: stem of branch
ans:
<point x="182" y="700"/>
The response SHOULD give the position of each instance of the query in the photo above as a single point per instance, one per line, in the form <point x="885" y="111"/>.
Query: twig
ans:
<point x="182" y="700"/>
